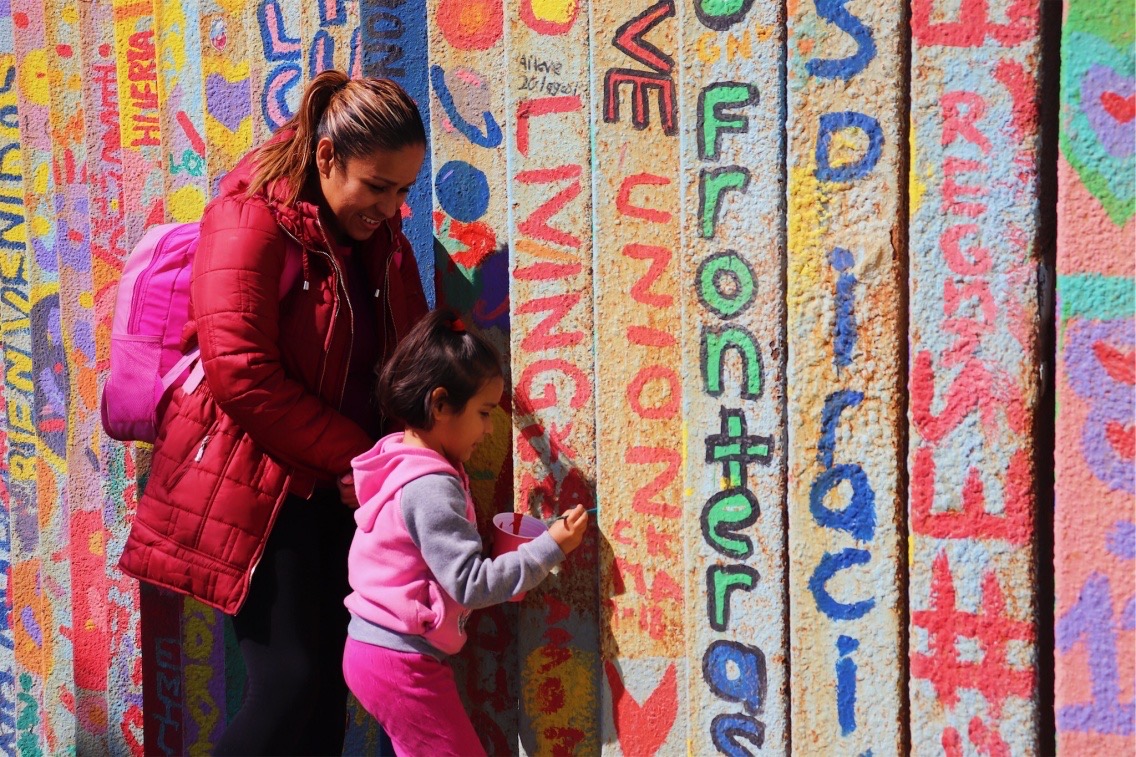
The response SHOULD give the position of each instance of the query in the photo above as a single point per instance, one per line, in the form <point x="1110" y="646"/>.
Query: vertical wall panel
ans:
<point x="394" y="46"/>
<point x="144" y="184"/>
<point x="80" y="523"/>
<point x="638" y="386"/>
<point x="467" y="114"/>
<point x="1095" y="519"/>
<point x="119" y="488"/>
<point x="844" y="376"/>
<point x="276" y="77"/>
<point x="19" y="385"/>
<point x="554" y="406"/>
<point x="733" y="211"/>
<point x="186" y="176"/>
<point x="37" y="644"/>
<point x="973" y="376"/>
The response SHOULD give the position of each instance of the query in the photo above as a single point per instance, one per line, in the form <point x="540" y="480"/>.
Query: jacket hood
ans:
<point x="381" y="472"/>
<point x="301" y="219"/>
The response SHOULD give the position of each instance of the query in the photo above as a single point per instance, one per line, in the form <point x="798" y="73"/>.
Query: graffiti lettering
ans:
<point x="582" y="385"/>
<point x="720" y="16"/>
<point x="973" y="26"/>
<point x="843" y="68"/>
<point x="715" y="118"/>
<point x="721" y="582"/>
<point x="736" y="673"/>
<point x="726" y="284"/>
<point x="536" y="225"/>
<point x="142" y="69"/>
<point x="541" y="337"/>
<point x="714" y="346"/>
<point x="945" y="667"/>
<point x="660" y="258"/>
<point x="846" y="684"/>
<point x="169" y="694"/>
<point x="629" y="38"/>
<point x="1091" y="622"/>
<point x="845" y="336"/>
<point x="831" y="564"/>
<point x="712" y="186"/>
<point x="832" y="124"/>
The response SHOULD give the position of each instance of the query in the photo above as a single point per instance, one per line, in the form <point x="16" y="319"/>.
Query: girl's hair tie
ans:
<point x="457" y="326"/>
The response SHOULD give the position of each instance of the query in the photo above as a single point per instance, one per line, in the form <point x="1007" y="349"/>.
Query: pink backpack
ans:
<point x="151" y="308"/>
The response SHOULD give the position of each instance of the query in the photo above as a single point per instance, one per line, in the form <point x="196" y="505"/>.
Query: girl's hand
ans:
<point x="568" y="531"/>
<point x="346" y="486"/>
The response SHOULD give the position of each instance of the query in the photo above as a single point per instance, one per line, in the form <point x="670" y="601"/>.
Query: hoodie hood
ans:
<point x="381" y="472"/>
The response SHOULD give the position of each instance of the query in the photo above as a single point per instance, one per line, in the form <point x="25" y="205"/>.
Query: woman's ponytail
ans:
<point x="293" y="158"/>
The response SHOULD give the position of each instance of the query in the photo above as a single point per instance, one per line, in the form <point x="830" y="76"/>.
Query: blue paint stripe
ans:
<point x="1100" y="298"/>
<point x="395" y="46"/>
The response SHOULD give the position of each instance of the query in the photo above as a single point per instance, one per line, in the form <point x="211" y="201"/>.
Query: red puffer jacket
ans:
<point x="265" y="420"/>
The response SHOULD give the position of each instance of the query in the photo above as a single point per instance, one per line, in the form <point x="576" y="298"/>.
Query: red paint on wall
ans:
<point x="642" y="728"/>
<point x="992" y="676"/>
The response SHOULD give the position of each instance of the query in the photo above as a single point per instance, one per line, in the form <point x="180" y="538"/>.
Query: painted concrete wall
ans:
<point x="772" y="283"/>
<point x="1095" y="527"/>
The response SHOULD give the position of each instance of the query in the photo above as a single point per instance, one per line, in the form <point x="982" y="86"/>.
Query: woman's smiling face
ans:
<point x="363" y="192"/>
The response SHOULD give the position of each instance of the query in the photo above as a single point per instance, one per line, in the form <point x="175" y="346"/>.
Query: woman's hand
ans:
<point x="346" y="486"/>
<point x="568" y="531"/>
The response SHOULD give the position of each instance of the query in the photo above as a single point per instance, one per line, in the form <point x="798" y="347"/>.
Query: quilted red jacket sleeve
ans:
<point x="235" y="295"/>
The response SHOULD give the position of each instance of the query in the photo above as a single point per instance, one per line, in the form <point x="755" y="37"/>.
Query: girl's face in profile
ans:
<point x="458" y="433"/>
<point x="365" y="191"/>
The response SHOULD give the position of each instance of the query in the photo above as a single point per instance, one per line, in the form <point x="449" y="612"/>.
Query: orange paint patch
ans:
<point x="470" y="24"/>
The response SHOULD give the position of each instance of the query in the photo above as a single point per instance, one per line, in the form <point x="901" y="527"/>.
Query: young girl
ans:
<point x="416" y="565"/>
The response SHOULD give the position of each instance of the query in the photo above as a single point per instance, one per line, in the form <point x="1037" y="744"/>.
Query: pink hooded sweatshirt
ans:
<point x="415" y="566"/>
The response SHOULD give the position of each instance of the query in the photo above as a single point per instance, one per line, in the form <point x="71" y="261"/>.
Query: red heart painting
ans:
<point x="1123" y="109"/>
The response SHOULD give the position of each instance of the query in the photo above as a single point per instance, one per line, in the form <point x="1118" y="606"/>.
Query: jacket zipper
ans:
<point x="334" y="313"/>
<point x="386" y="286"/>
<point x="201" y="450"/>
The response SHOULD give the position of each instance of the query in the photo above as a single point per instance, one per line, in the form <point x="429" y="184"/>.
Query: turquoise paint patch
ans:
<point x="1100" y="298"/>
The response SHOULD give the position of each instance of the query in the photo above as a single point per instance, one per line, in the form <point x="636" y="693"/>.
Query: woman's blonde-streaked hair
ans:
<point x="359" y="116"/>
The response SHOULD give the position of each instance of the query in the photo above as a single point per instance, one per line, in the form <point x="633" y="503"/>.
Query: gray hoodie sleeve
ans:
<point x="433" y="508"/>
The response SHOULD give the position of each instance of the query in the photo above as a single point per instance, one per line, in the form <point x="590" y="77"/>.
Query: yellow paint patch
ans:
<point x="86" y="300"/>
<point x="96" y="544"/>
<point x="558" y="694"/>
<point x="186" y="204"/>
<point x="918" y="187"/>
<point x="848" y="146"/>
<point x="40" y="226"/>
<point x="34" y="78"/>
<point x="808" y="219"/>
<point x="554" y="11"/>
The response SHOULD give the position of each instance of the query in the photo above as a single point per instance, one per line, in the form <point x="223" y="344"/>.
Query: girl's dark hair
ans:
<point x="438" y="352"/>
<point x="359" y="116"/>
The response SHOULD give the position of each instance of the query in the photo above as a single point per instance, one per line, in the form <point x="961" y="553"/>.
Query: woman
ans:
<point x="251" y="469"/>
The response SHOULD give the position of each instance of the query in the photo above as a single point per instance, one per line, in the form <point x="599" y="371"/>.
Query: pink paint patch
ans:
<point x="1086" y="236"/>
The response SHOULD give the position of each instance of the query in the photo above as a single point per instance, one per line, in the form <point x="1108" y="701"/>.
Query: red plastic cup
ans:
<point x="504" y="540"/>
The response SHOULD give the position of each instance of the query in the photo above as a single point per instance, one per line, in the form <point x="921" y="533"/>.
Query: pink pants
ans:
<point x="414" y="697"/>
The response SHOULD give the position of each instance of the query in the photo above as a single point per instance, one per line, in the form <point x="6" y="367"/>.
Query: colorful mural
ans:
<point x="773" y="301"/>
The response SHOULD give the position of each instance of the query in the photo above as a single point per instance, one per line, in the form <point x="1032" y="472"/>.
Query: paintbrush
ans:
<point x="590" y="511"/>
